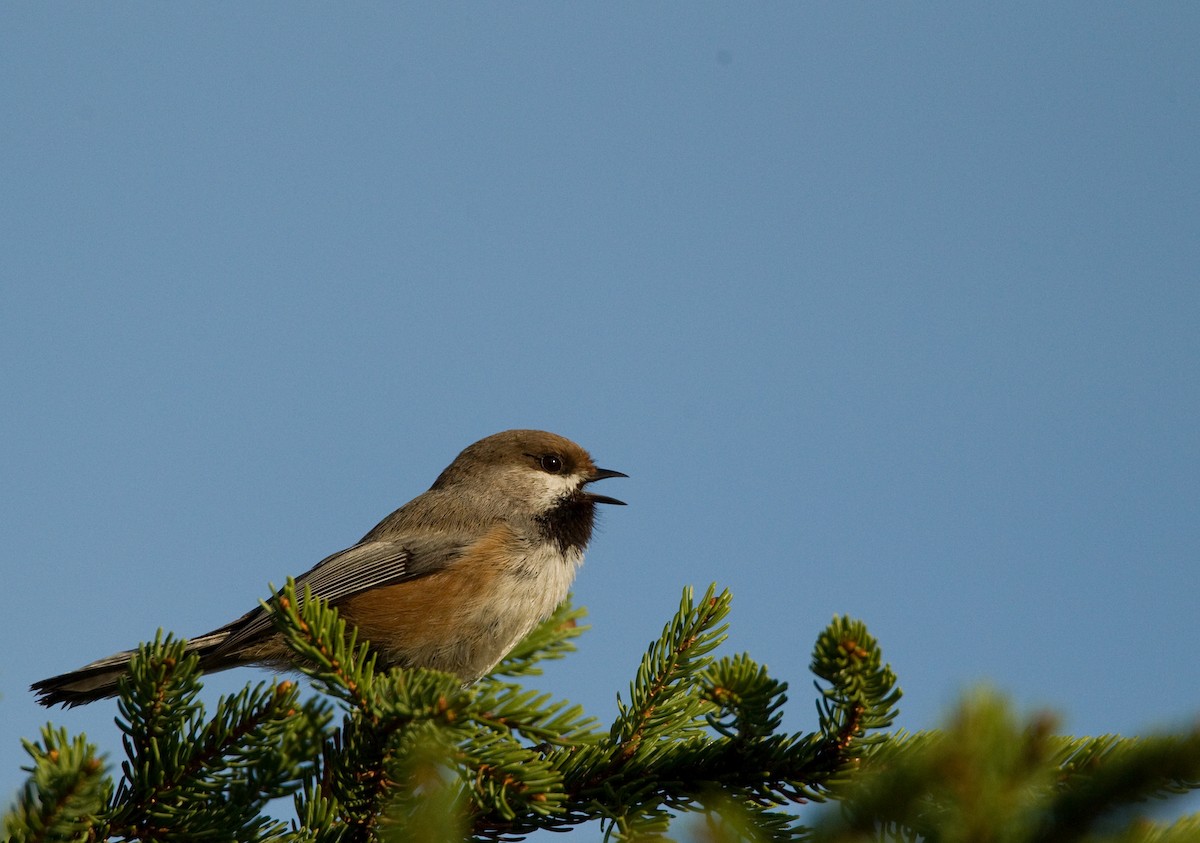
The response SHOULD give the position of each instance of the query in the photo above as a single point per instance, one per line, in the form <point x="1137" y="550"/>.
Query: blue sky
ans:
<point x="888" y="310"/>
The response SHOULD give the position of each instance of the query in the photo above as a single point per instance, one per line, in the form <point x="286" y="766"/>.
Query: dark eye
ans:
<point x="551" y="463"/>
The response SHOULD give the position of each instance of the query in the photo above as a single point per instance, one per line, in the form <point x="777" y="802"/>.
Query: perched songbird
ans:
<point x="452" y="580"/>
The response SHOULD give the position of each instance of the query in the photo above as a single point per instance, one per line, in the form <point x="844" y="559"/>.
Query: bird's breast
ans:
<point x="466" y="617"/>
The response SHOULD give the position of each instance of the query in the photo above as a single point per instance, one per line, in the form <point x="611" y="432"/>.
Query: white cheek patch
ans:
<point x="541" y="491"/>
<point x="556" y="486"/>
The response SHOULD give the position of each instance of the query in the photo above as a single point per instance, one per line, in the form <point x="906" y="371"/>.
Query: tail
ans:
<point x="98" y="680"/>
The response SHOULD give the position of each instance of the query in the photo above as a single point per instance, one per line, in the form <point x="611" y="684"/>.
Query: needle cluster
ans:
<point x="414" y="755"/>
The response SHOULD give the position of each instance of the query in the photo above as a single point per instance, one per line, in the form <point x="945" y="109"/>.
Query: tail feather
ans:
<point x="98" y="680"/>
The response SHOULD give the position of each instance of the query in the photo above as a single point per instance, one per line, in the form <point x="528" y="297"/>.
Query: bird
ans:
<point x="452" y="580"/>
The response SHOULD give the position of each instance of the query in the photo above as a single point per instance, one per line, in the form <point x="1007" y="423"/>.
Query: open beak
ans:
<point x="604" y="474"/>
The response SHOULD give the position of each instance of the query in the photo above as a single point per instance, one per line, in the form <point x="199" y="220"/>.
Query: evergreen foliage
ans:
<point x="989" y="776"/>
<point x="413" y="755"/>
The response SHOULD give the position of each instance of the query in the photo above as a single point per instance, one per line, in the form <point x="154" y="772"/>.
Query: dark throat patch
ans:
<point x="569" y="523"/>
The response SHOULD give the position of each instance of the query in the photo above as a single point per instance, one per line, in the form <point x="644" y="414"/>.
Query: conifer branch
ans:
<point x="186" y="777"/>
<point x="416" y="756"/>
<point x="552" y="639"/>
<point x="1109" y="775"/>
<point x="656" y="697"/>
<point x="331" y="657"/>
<point x="990" y="771"/>
<point x="65" y="794"/>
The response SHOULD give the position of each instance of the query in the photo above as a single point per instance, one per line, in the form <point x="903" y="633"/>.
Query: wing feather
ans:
<point x="367" y="565"/>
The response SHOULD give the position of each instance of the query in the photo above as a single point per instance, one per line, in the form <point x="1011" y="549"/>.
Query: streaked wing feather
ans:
<point x="358" y="568"/>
